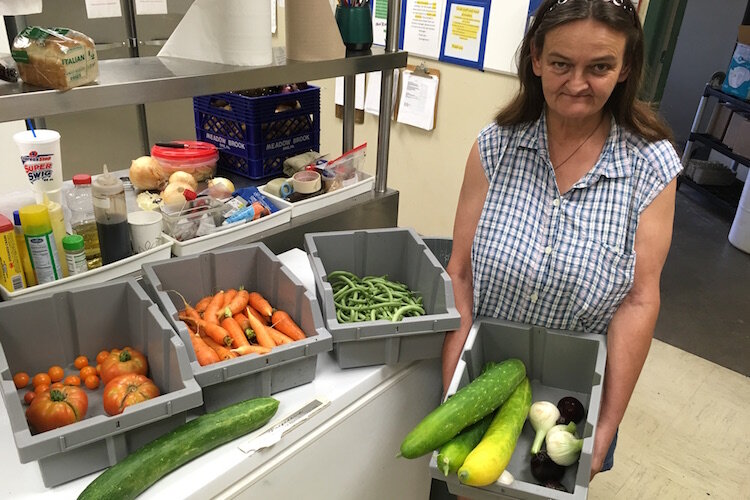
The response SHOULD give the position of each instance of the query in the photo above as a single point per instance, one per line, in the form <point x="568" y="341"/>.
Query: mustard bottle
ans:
<point x="40" y="241"/>
<point x="28" y="269"/>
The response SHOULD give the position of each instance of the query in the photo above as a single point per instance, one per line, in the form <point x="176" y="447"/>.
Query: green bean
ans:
<point x="410" y="308"/>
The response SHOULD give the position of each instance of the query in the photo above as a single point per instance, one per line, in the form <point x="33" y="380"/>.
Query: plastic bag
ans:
<point x="345" y="169"/>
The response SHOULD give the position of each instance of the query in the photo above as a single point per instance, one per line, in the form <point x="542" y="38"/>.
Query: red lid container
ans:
<point x="195" y="157"/>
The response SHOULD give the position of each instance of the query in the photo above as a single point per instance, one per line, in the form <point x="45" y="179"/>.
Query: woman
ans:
<point x="568" y="199"/>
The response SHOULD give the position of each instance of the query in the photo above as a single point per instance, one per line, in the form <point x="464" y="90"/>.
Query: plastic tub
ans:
<point x="86" y="321"/>
<point x="558" y="364"/>
<point x="197" y="158"/>
<point x="400" y="254"/>
<point x="255" y="267"/>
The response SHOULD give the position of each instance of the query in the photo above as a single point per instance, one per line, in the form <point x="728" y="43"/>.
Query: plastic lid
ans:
<point x="16" y="218"/>
<point x="195" y="150"/>
<point x="81" y="179"/>
<point x="73" y="242"/>
<point x="5" y="224"/>
<point x="106" y="184"/>
<point x="35" y="219"/>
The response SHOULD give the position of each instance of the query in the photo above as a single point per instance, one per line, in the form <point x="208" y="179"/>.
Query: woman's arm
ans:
<point x="470" y="203"/>
<point x="632" y="327"/>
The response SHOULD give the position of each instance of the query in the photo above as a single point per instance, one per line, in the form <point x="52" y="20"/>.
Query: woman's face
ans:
<point x="579" y="65"/>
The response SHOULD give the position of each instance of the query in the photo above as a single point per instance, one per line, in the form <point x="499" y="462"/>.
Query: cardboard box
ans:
<point x="737" y="135"/>
<point x="717" y="125"/>
<point x="737" y="82"/>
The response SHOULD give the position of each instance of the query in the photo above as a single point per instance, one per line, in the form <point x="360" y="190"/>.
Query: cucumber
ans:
<point x="453" y="453"/>
<point x="488" y="460"/>
<point x="148" y="464"/>
<point x="470" y="404"/>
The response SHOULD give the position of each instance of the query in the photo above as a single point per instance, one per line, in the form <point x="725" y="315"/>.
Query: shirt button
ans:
<point x="556" y="202"/>
<point x="534" y="297"/>
<point x="548" y="250"/>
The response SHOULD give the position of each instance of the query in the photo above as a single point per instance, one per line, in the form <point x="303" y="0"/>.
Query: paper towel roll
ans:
<point x="236" y="32"/>
<point x="311" y="31"/>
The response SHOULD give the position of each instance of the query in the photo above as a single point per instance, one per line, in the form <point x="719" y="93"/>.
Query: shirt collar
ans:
<point x="614" y="161"/>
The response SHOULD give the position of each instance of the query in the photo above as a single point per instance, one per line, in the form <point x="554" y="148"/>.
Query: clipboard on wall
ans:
<point x="417" y="117"/>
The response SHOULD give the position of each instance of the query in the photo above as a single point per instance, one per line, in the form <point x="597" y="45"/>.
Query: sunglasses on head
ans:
<point x="625" y="4"/>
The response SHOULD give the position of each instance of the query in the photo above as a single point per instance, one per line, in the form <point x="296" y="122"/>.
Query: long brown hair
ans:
<point x="629" y="111"/>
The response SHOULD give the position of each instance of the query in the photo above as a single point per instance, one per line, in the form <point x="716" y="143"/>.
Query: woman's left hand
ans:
<point x="598" y="455"/>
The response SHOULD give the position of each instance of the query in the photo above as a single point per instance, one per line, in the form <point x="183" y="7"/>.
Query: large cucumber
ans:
<point x="470" y="404"/>
<point x="453" y="453"/>
<point x="158" y="458"/>
<point x="489" y="459"/>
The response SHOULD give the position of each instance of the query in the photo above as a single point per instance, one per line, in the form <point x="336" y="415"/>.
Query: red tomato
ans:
<point x="56" y="408"/>
<point x="21" y="379"/>
<point x="29" y="397"/>
<point x="126" y="390"/>
<point x="123" y="362"/>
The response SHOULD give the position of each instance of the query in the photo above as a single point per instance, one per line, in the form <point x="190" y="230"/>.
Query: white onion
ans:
<point x="173" y="194"/>
<point x="220" y="187"/>
<point x="184" y="178"/>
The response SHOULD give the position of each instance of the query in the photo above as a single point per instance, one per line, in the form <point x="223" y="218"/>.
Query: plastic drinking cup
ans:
<point x="40" y="158"/>
<point x="145" y="230"/>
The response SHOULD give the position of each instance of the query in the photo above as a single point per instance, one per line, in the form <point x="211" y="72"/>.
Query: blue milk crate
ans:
<point x="256" y="134"/>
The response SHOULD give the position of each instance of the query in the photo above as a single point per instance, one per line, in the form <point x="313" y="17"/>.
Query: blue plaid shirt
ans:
<point x="561" y="261"/>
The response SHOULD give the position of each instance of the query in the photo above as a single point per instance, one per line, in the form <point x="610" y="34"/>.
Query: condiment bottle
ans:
<point x="75" y="254"/>
<point x="11" y="269"/>
<point x="82" y="219"/>
<point x="57" y="220"/>
<point x="28" y="269"/>
<point x="111" y="215"/>
<point x="40" y="241"/>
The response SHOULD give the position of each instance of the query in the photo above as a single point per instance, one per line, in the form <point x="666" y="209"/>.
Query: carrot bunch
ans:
<point x="233" y="323"/>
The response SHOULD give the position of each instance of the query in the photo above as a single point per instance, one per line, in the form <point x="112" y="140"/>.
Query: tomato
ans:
<point x="41" y="378"/>
<point x="72" y="380"/>
<point x="91" y="382"/>
<point x="81" y="361"/>
<point x="101" y="356"/>
<point x="122" y="362"/>
<point x="57" y="385"/>
<point x="86" y="371"/>
<point x="127" y="390"/>
<point x="56" y="373"/>
<point x="21" y="379"/>
<point x="29" y="397"/>
<point x="41" y="388"/>
<point x="56" y="408"/>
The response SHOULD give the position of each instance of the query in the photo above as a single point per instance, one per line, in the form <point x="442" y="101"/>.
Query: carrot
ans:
<point x="278" y="337"/>
<point x="203" y="353"/>
<point x="249" y="310"/>
<point x="203" y="303"/>
<point x="261" y="332"/>
<point x="261" y="305"/>
<point x="286" y="325"/>
<point x="211" y="314"/>
<point x="238" y="303"/>
<point x="220" y="349"/>
<point x="189" y="310"/>
<point x="259" y="210"/>
<point x="228" y="296"/>
<point x="250" y="349"/>
<point x="242" y="320"/>
<point x="216" y="332"/>
<point x="237" y="333"/>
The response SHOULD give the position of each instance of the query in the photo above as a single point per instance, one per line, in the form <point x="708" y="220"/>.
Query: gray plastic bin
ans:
<point x="400" y="254"/>
<point x="257" y="269"/>
<point x="558" y="364"/>
<point x="86" y="321"/>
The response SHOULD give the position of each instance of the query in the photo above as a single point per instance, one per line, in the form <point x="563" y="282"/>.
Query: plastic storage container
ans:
<point x="194" y="157"/>
<point x="86" y="321"/>
<point x="402" y="256"/>
<point x="255" y="267"/>
<point x="256" y="134"/>
<point x="558" y="364"/>
<point x="82" y="218"/>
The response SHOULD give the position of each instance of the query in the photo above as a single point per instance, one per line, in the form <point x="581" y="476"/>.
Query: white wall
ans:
<point x="11" y="171"/>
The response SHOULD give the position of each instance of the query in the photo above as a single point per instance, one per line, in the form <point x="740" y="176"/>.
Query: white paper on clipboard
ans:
<point x="97" y="9"/>
<point x="359" y="91"/>
<point x="372" y="96"/>
<point x="150" y="7"/>
<point x="418" y="98"/>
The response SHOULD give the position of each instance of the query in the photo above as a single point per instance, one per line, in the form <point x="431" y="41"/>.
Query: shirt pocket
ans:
<point x="605" y="276"/>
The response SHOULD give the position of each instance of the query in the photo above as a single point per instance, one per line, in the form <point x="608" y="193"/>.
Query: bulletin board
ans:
<point x="481" y="34"/>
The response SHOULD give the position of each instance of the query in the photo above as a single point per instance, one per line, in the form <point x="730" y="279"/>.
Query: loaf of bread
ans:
<point x="55" y="58"/>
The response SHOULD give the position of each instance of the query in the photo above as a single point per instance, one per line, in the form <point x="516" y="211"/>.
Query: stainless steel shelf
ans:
<point x="150" y="79"/>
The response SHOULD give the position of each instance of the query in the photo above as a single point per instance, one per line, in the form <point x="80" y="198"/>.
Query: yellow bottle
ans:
<point x="57" y="219"/>
<point x="40" y="242"/>
<point x="28" y="269"/>
<point x="11" y="269"/>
